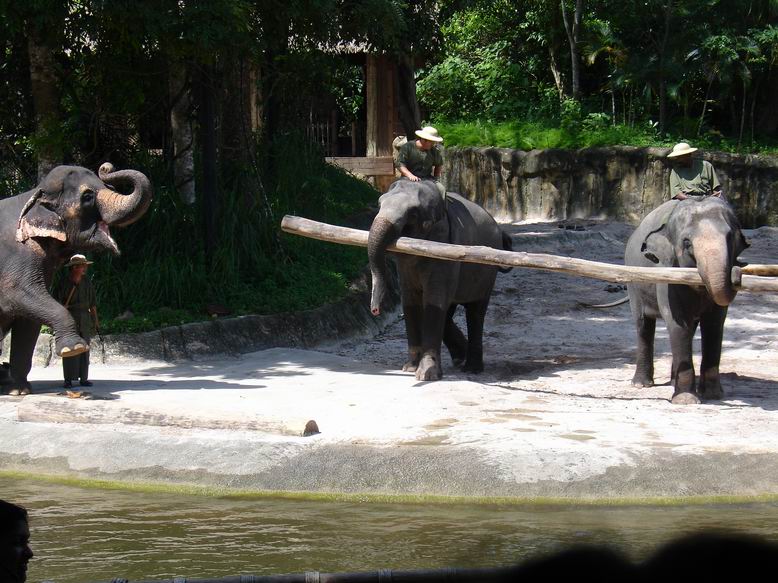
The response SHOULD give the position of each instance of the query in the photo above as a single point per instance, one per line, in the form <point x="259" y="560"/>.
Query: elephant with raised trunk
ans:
<point x="432" y="289"/>
<point x="70" y="211"/>
<point x="696" y="232"/>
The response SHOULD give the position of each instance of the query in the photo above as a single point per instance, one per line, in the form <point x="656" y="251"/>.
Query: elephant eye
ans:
<point x="687" y="244"/>
<point x="87" y="196"/>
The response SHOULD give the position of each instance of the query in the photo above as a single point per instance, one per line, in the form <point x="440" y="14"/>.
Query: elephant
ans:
<point x="696" y="232"/>
<point x="69" y="211"/>
<point x="431" y="289"/>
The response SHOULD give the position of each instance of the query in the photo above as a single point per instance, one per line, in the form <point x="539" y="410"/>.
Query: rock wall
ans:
<point x="621" y="182"/>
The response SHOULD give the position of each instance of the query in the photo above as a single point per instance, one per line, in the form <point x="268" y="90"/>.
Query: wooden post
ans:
<point x="380" y="111"/>
<point x="501" y="258"/>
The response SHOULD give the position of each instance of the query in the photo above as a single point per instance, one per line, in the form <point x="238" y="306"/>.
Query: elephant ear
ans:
<point x="38" y="219"/>
<point x="657" y="248"/>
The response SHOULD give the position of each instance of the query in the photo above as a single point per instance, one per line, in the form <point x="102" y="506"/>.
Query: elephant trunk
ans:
<point x="382" y="233"/>
<point x="714" y="265"/>
<point x="118" y="209"/>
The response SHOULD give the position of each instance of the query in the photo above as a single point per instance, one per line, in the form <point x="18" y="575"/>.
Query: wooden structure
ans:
<point x="381" y="124"/>
<point x="741" y="277"/>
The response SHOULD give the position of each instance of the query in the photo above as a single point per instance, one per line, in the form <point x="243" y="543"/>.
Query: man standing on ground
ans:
<point x="76" y="293"/>
<point x="422" y="159"/>
<point x="691" y="176"/>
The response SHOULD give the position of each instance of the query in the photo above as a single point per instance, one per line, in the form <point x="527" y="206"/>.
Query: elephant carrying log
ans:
<point x="70" y="211"/>
<point x="696" y="232"/>
<point x="432" y="289"/>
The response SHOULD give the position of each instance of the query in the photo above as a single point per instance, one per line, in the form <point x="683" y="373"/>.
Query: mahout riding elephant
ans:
<point x="70" y="211"/>
<point x="696" y="232"/>
<point x="432" y="289"/>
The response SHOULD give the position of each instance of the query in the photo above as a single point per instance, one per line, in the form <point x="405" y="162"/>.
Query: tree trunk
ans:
<point x="409" y="112"/>
<point x="45" y="98"/>
<point x="572" y="28"/>
<point x="210" y="190"/>
<point x="662" y="74"/>
<point x="181" y="129"/>
<point x="237" y="149"/>
<point x="742" y="115"/>
<point x="556" y="72"/>
<point x="705" y="103"/>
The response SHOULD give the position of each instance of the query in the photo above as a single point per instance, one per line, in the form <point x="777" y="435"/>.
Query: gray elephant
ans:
<point x="432" y="289"/>
<point x="696" y="232"/>
<point x="70" y="211"/>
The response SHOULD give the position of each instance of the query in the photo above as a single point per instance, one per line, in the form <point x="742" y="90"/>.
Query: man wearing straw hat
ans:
<point x="691" y="176"/>
<point x="76" y="293"/>
<point x="422" y="159"/>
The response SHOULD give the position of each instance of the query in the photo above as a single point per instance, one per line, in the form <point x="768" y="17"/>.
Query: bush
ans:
<point x="164" y="277"/>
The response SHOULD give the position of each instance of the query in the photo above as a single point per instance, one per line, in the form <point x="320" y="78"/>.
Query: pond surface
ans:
<point x="83" y="535"/>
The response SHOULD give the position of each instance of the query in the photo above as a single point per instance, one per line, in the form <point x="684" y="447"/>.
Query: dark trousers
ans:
<point x="76" y="367"/>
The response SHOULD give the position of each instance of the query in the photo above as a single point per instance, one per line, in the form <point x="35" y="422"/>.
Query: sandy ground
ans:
<point x="553" y="415"/>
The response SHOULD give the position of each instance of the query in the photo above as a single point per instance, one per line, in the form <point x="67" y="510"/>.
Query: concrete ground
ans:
<point x="553" y="416"/>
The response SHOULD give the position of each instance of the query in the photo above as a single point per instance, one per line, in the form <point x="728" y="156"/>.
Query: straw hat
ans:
<point x="78" y="259"/>
<point x="429" y="133"/>
<point x="681" y="149"/>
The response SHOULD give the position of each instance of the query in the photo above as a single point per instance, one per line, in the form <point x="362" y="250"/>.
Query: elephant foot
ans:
<point x="429" y="369"/>
<point x="414" y="356"/>
<point x="712" y="392"/>
<point x="642" y="382"/>
<point x="710" y="386"/>
<point x="458" y="362"/>
<point x="79" y="348"/>
<point x="685" y="399"/>
<point x="473" y="367"/>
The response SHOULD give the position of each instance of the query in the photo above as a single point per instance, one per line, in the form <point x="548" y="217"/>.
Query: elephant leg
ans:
<point x="24" y="335"/>
<point x="712" y="332"/>
<point x="476" y="312"/>
<point x="430" y="368"/>
<point x="683" y="366"/>
<point x="454" y="340"/>
<point x="644" y="367"/>
<point x="414" y="317"/>
<point x="36" y="303"/>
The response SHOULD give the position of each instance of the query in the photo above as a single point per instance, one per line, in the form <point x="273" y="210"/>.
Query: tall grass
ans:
<point x="163" y="276"/>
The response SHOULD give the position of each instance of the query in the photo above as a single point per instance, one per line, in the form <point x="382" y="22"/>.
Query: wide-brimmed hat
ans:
<point x="681" y="149"/>
<point x="78" y="259"/>
<point x="429" y="133"/>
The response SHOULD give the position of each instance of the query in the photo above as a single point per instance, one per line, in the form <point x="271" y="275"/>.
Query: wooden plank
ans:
<point x="368" y="166"/>
<point x="489" y="256"/>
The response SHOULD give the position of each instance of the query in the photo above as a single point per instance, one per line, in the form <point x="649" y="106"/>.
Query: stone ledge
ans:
<point x="349" y="316"/>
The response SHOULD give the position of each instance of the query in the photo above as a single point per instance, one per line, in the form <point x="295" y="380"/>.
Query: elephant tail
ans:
<point x="613" y="304"/>
<point x="507" y="245"/>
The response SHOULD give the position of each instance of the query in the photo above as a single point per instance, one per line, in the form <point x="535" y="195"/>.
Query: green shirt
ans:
<point x="420" y="162"/>
<point x="81" y="301"/>
<point x="699" y="179"/>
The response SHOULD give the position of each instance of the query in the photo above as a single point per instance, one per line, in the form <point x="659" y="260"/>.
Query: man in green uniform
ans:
<point x="76" y="293"/>
<point x="691" y="176"/>
<point x="422" y="159"/>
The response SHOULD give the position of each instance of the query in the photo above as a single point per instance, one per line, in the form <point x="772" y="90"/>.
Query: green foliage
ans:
<point x="594" y="130"/>
<point x="163" y="275"/>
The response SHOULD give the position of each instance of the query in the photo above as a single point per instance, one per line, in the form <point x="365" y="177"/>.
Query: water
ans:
<point x="82" y="535"/>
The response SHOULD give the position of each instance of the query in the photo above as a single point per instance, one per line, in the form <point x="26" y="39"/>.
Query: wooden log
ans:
<point x="489" y="256"/>
<point x="761" y="270"/>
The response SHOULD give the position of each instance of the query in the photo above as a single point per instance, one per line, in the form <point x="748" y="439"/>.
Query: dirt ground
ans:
<point x="538" y="335"/>
<point x="553" y="415"/>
